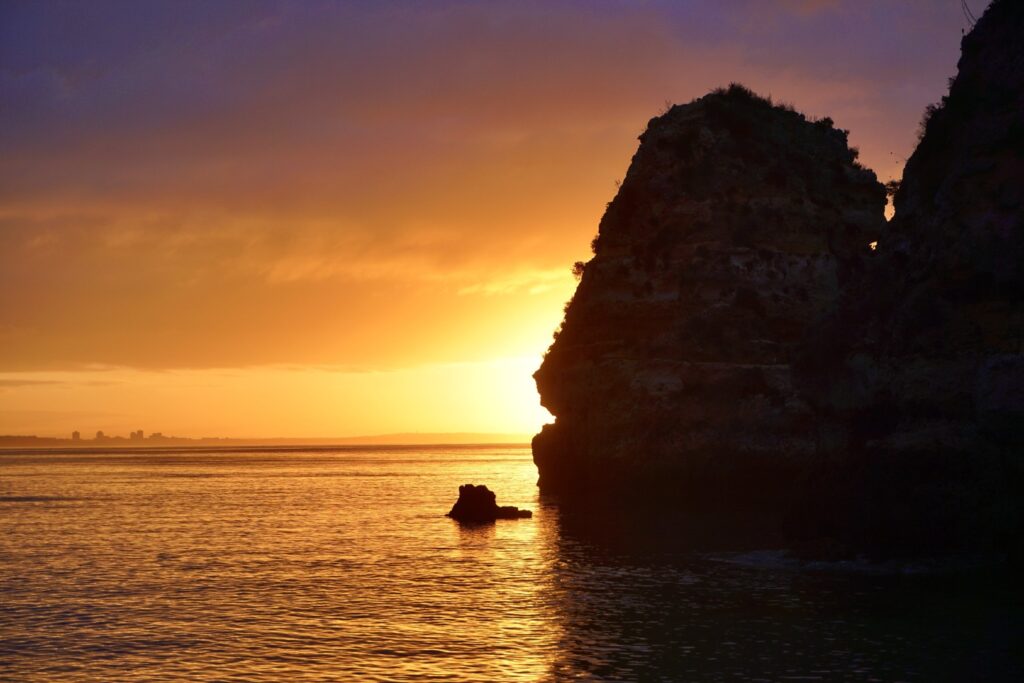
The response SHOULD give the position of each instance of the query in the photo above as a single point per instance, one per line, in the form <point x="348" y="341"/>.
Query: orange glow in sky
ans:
<point x="341" y="219"/>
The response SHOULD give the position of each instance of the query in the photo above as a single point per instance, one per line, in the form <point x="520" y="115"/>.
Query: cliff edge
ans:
<point x="918" y="376"/>
<point x="736" y="349"/>
<point x="730" y="236"/>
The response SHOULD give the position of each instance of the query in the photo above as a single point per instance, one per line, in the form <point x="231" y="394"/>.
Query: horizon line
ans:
<point x="390" y="438"/>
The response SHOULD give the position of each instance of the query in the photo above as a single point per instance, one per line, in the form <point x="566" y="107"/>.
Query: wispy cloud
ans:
<point x="18" y="383"/>
<point x="193" y="184"/>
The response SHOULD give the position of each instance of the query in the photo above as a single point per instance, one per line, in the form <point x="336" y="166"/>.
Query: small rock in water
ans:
<point x="479" y="504"/>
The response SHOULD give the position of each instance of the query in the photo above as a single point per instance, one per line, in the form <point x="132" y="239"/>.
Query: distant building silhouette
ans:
<point x="75" y="436"/>
<point x="100" y="435"/>
<point x="137" y="436"/>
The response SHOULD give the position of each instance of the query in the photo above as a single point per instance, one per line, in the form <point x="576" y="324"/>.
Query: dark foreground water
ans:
<point x="339" y="564"/>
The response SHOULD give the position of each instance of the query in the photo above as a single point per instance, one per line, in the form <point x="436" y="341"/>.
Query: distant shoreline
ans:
<point x="453" y="439"/>
<point x="244" y="448"/>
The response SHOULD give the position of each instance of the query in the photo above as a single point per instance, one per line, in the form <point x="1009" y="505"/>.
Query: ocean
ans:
<point x="339" y="564"/>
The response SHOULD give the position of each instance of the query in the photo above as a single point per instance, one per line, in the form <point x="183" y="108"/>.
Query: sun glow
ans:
<point x="491" y="396"/>
<point x="302" y="235"/>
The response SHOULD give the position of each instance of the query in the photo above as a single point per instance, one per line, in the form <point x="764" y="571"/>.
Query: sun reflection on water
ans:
<point x="339" y="565"/>
<point x="268" y="565"/>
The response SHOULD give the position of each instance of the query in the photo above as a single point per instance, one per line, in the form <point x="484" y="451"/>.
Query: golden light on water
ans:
<point x="275" y="566"/>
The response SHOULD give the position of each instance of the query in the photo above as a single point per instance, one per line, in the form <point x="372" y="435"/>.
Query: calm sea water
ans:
<point x="338" y="564"/>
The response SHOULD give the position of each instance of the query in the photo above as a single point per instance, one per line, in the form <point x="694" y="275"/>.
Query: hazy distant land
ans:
<point x="160" y="441"/>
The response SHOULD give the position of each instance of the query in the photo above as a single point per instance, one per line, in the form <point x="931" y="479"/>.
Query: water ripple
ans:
<point x="339" y="565"/>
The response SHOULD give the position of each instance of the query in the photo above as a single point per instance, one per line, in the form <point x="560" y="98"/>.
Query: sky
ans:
<point x="318" y="219"/>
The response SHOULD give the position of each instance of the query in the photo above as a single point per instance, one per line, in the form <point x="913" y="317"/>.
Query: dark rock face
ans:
<point x="730" y="236"/>
<point x="479" y="504"/>
<point x="734" y="349"/>
<point x="919" y="375"/>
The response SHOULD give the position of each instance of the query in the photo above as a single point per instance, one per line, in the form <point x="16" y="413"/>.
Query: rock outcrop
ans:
<point x="734" y="348"/>
<point x="918" y="377"/>
<point x="479" y="504"/>
<point x="730" y="236"/>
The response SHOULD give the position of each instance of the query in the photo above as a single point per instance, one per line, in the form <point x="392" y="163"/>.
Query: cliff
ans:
<point x="730" y="235"/>
<point x="735" y="349"/>
<point x="918" y="376"/>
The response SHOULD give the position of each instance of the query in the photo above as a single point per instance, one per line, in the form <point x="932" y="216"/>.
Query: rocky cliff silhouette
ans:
<point x="736" y="350"/>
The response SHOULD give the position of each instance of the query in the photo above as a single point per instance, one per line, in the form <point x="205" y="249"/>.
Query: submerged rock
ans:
<point x="479" y="504"/>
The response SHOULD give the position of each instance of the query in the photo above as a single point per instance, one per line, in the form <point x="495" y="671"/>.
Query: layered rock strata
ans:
<point x="730" y="236"/>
